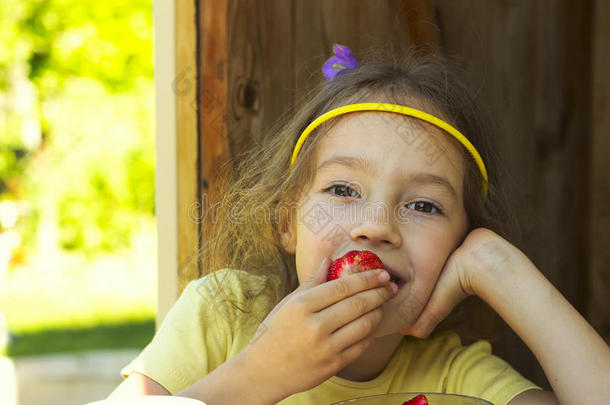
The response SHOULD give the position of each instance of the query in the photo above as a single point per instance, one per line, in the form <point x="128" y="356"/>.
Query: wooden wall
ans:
<point x="533" y="63"/>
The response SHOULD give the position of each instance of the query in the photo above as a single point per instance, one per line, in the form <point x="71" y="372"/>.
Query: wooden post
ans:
<point x="185" y="86"/>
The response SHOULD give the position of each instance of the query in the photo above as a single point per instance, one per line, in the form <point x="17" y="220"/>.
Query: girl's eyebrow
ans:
<point x="362" y="164"/>
<point x="354" y="162"/>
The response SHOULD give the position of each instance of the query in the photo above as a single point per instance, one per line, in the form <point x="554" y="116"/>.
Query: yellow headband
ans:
<point x="395" y="108"/>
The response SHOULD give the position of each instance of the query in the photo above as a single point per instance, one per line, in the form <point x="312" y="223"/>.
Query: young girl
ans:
<point x="391" y="157"/>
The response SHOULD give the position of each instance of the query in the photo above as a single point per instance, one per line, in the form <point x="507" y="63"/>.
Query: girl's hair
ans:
<point x="259" y="193"/>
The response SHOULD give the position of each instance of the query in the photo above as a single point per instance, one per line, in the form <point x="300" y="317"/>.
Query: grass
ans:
<point x="128" y="334"/>
<point x="65" y="302"/>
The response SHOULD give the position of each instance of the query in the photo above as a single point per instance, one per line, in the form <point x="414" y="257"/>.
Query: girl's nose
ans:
<point x="377" y="230"/>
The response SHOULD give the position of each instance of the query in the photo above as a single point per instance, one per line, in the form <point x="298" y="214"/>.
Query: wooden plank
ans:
<point x="214" y="148"/>
<point x="359" y="24"/>
<point x="598" y="305"/>
<point x="563" y="99"/>
<point x="420" y="24"/>
<point x="185" y="89"/>
<point x="260" y="85"/>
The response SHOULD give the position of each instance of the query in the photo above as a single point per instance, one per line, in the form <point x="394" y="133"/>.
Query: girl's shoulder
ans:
<point x="237" y="281"/>
<point x="240" y="287"/>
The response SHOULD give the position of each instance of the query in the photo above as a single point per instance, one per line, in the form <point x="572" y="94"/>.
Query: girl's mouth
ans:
<point x="395" y="278"/>
<point x="399" y="282"/>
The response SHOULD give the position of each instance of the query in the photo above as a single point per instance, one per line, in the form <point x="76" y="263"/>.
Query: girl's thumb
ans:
<point x="319" y="276"/>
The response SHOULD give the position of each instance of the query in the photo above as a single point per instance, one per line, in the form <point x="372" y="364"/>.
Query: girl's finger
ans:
<point x="356" y="330"/>
<point x="317" y="277"/>
<point x="354" y="307"/>
<point x="339" y="289"/>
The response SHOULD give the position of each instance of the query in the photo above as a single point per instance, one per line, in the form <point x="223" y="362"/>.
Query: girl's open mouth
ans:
<point x="395" y="278"/>
<point x="399" y="282"/>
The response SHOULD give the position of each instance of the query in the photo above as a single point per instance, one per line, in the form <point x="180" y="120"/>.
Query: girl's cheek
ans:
<point x="430" y="267"/>
<point x="421" y="290"/>
<point x="406" y="311"/>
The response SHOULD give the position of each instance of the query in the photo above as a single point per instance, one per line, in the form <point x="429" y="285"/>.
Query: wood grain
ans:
<point x="185" y="87"/>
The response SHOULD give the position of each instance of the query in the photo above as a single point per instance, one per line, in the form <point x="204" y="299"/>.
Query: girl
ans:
<point x="391" y="157"/>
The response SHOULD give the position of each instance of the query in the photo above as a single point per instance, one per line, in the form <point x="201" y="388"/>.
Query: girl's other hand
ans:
<point x="481" y="252"/>
<point x="317" y="330"/>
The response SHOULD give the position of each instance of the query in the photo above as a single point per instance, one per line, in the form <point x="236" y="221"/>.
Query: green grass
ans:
<point x="129" y="334"/>
<point x="68" y="302"/>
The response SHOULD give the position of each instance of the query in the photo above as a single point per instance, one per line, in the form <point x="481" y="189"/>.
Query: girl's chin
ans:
<point x="390" y="327"/>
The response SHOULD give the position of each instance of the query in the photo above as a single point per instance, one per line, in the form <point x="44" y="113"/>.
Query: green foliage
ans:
<point x="99" y="167"/>
<point x="83" y="72"/>
<point x="13" y="161"/>
<point x="140" y="181"/>
<point x="109" y="41"/>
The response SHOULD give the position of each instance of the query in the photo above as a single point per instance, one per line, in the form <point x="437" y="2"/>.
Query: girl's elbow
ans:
<point x="137" y="384"/>
<point x="535" y="397"/>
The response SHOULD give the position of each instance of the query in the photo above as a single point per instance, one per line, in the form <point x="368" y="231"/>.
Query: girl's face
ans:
<point x="389" y="185"/>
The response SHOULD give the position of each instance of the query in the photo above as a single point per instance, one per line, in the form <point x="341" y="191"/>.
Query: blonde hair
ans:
<point x="259" y="196"/>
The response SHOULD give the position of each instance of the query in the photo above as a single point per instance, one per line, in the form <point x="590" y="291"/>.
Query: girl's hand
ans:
<point x="316" y="330"/>
<point x="481" y="252"/>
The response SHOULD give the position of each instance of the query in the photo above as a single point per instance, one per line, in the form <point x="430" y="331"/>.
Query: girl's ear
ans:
<point x="288" y="235"/>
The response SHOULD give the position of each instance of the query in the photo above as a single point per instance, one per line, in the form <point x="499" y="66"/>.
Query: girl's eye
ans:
<point x="425" y="206"/>
<point x="342" y="190"/>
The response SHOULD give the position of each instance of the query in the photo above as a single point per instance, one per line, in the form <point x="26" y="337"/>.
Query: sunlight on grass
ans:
<point x="71" y="290"/>
<point x="123" y="334"/>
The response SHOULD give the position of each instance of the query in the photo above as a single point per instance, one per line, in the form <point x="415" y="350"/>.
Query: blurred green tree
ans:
<point x="77" y="118"/>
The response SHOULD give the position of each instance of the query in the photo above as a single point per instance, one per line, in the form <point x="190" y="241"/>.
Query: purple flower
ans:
<point x="342" y="62"/>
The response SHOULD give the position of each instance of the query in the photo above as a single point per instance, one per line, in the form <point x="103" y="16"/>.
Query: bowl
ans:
<point x="398" y="398"/>
<point x="149" y="400"/>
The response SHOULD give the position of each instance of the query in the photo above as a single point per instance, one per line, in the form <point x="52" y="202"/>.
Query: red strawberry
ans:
<point x="418" y="400"/>
<point x="354" y="261"/>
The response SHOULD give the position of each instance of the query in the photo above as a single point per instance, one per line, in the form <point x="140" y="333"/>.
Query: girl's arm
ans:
<point x="233" y="382"/>
<point x="138" y="384"/>
<point x="575" y="359"/>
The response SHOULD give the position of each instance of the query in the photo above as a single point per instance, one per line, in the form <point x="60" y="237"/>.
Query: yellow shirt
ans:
<point x="203" y="330"/>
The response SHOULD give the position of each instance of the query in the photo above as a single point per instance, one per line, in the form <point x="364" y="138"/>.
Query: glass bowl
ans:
<point x="149" y="400"/>
<point x="399" y="398"/>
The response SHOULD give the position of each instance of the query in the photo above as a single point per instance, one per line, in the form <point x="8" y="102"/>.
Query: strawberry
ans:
<point x="418" y="400"/>
<point x="354" y="261"/>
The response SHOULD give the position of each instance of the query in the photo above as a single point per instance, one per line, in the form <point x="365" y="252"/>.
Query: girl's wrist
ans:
<point x="495" y="262"/>
<point x="267" y="390"/>
<point x="234" y="381"/>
